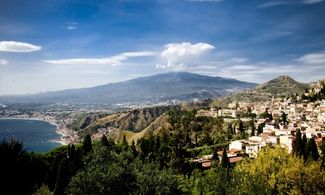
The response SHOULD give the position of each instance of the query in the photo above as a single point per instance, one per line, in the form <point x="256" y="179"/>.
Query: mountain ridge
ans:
<point x="153" y="89"/>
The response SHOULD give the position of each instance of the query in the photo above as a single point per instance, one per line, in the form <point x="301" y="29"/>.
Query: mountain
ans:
<point x="282" y="85"/>
<point x="150" y="89"/>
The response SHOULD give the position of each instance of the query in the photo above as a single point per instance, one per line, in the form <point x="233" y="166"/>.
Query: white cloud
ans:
<point x="13" y="46"/>
<point x="178" y="55"/>
<point x="113" y="60"/>
<point x="313" y="58"/>
<point x="71" y="25"/>
<point x="272" y="4"/>
<point x="279" y="3"/>
<point x="311" y="1"/>
<point x="3" y="62"/>
<point x="243" y="67"/>
<point x="238" y="60"/>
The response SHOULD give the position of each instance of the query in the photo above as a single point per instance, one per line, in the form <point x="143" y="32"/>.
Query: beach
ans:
<point x="67" y="136"/>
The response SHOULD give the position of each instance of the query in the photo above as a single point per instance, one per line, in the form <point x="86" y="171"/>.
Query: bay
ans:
<point x="37" y="136"/>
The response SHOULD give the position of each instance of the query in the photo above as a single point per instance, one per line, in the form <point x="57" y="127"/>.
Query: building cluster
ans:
<point x="307" y="116"/>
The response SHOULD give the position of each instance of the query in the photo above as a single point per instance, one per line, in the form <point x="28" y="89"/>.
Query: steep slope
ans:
<point x="152" y="89"/>
<point x="154" y="128"/>
<point x="282" y="85"/>
<point x="134" y="120"/>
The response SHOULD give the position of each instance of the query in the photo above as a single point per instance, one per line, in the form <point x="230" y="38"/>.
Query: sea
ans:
<point x="37" y="136"/>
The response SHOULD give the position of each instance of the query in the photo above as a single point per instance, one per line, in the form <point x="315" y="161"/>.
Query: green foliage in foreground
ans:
<point x="107" y="172"/>
<point x="109" y="168"/>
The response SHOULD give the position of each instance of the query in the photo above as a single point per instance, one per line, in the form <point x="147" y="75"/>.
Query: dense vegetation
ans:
<point x="104" y="167"/>
<point x="160" y="163"/>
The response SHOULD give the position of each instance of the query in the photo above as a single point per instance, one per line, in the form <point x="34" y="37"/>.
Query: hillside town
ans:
<point x="276" y="122"/>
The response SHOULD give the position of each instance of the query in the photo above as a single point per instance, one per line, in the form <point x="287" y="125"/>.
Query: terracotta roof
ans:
<point x="235" y="159"/>
<point x="206" y="164"/>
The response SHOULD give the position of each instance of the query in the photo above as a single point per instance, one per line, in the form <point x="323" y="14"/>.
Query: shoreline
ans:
<point x="61" y="130"/>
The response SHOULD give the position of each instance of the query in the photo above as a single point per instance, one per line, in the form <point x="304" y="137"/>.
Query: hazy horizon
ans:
<point x="132" y="79"/>
<point x="51" y="46"/>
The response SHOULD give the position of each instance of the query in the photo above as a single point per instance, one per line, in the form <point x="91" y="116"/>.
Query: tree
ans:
<point x="252" y="128"/>
<point x="322" y="147"/>
<point x="313" y="151"/>
<point x="284" y="118"/>
<point x="145" y="146"/>
<point x="284" y="173"/>
<point x="260" y="128"/>
<point x="241" y="126"/>
<point x="106" y="177"/>
<point x="124" y="144"/>
<point x="87" y="145"/>
<point x="215" y="157"/>
<point x="151" y="180"/>
<point x="134" y="149"/>
<point x="63" y="177"/>
<point x="163" y="156"/>
<point x="304" y="148"/>
<point x="225" y="160"/>
<point x="299" y="145"/>
<point x="43" y="190"/>
<point x="104" y="141"/>
<point x="20" y="171"/>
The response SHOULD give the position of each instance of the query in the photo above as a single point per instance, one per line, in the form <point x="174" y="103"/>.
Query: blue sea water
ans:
<point x="38" y="136"/>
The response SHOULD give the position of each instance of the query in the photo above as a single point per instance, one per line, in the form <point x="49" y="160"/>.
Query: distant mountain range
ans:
<point x="151" y="89"/>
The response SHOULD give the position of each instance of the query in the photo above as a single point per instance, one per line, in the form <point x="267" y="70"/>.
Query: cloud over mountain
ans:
<point x="177" y="55"/>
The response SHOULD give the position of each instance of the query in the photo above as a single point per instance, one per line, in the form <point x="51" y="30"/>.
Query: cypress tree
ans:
<point x="313" y="149"/>
<point x="125" y="145"/>
<point x="230" y="129"/>
<point x="62" y="179"/>
<point x="284" y="118"/>
<point x="322" y="147"/>
<point x="104" y="141"/>
<point x="73" y="160"/>
<point x="215" y="157"/>
<point x="260" y="128"/>
<point x="304" y="148"/>
<point x="72" y="152"/>
<point x="299" y="144"/>
<point x="241" y="126"/>
<point x="253" y="128"/>
<point x="134" y="149"/>
<point x="225" y="160"/>
<point x="87" y="144"/>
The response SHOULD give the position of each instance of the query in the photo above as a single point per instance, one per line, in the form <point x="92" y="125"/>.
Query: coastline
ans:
<point x="64" y="133"/>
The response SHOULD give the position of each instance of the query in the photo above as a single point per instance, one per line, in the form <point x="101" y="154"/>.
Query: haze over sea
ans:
<point x="38" y="136"/>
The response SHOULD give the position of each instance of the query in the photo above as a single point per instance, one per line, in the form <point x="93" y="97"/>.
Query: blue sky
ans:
<point x="52" y="45"/>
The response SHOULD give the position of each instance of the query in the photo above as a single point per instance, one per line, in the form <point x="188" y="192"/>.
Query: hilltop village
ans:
<point x="273" y="122"/>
